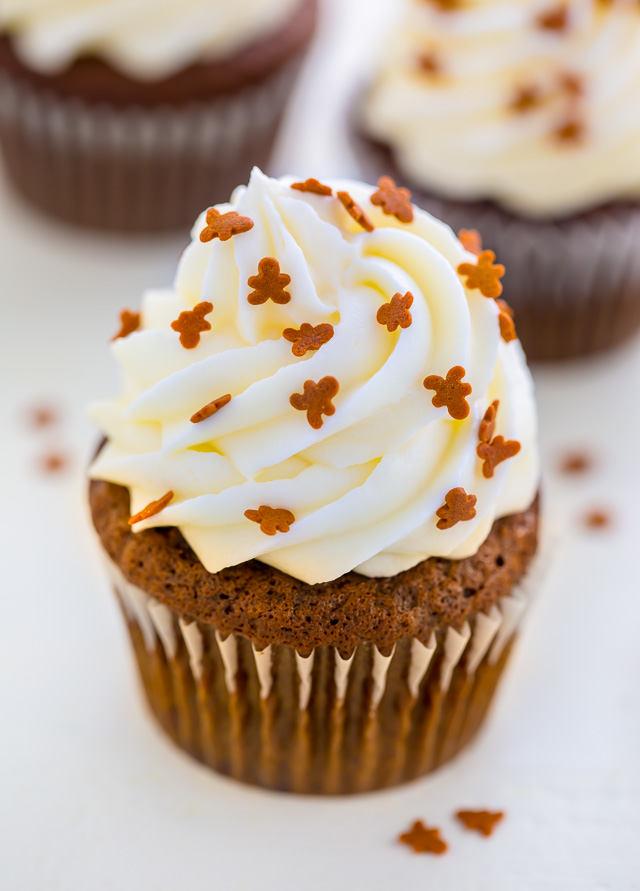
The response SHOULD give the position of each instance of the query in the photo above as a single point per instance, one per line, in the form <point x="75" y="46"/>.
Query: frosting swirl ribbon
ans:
<point x="532" y="104"/>
<point x="325" y="410"/>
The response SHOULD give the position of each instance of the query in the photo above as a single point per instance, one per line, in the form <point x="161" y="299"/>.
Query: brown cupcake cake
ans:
<point x="122" y="116"/>
<point x="317" y="493"/>
<point x="521" y="121"/>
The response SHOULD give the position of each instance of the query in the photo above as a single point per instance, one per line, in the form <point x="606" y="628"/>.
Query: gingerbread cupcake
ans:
<point x="317" y="491"/>
<point x="123" y="115"/>
<point x="520" y="120"/>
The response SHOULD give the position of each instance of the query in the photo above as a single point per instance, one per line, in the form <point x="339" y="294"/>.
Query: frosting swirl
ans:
<point x="363" y="486"/>
<point x="147" y="39"/>
<point x="532" y="104"/>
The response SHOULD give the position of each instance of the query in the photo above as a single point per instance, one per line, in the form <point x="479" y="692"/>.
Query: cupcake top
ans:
<point x="532" y="104"/>
<point x="146" y="39"/>
<point x="332" y="384"/>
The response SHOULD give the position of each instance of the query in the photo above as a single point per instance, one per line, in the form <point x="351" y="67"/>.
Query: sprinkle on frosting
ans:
<point x="446" y="5"/>
<point x="495" y="452"/>
<point x="355" y="211"/>
<point x="395" y="201"/>
<point x="313" y="185"/>
<point x="224" y="225"/>
<point x="458" y="507"/>
<point x="129" y="322"/>
<point x="572" y="130"/>
<point x="210" y="409"/>
<point x="483" y="822"/>
<point x="430" y="63"/>
<point x="308" y="337"/>
<point x="269" y="284"/>
<point x="505" y="318"/>
<point x="483" y="276"/>
<point x="191" y="323"/>
<point x="316" y="400"/>
<point x="554" y="19"/>
<point x="152" y="509"/>
<point x="423" y="840"/>
<point x="396" y="312"/>
<point x="488" y="424"/>
<point x="471" y="241"/>
<point x="526" y="98"/>
<point x="271" y="519"/>
<point x="450" y="392"/>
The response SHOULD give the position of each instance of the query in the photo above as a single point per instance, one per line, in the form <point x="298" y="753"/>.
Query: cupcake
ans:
<point x="123" y="115"/>
<point x="317" y="490"/>
<point x="520" y="120"/>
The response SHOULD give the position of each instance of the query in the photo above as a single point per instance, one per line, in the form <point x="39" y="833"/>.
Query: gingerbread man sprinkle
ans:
<point x="129" y="322"/>
<point x="488" y="424"/>
<point x="191" y="323"/>
<point x="483" y="822"/>
<point x="396" y="312"/>
<point x="210" y="409"/>
<point x="312" y="185"/>
<point x="151" y="509"/>
<point x="471" y="241"/>
<point x="423" y="840"/>
<point x="316" y="400"/>
<point x="495" y="452"/>
<point x="308" y="337"/>
<point x="224" y="225"/>
<point x="271" y="519"/>
<point x="355" y="211"/>
<point x="450" y="392"/>
<point x="458" y="507"/>
<point x="395" y="202"/>
<point x="269" y="284"/>
<point x="483" y="276"/>
<point x="505" y="319"/>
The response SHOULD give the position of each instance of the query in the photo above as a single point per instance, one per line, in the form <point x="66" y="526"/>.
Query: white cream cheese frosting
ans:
<point x="531" y="103"/>
<point x="364" y="487"/>
<point x="146" y="39"/>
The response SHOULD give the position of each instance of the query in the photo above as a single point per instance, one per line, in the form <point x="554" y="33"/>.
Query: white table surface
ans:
<point x="93" y="797"/>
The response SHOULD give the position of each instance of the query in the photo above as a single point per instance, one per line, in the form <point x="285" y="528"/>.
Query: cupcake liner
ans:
<point x="320" y="722"/>
<point x="136" y="168"/>
<point x="574" y="283"/>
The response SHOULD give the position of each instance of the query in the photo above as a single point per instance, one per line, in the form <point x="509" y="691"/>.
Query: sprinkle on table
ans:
<point x="396" y="312"/>
<point x="41" y="416"/>
<point x="423" y="840"/>
<point x="483" y="822"/>
<point x="316" y="400"/>
<point x="393" y="200"/>
<point x="488" y="424"/>
<point x="505" y="319"/>
<point x="450" y="392"/>
<point x="483" y="276"/>
<point x="471" y="241"/>
<point x="191" y="323"/>
<point x="271" y="519"/>
<point x="458" y="507"/>
<point x="53" y="462"/>
<point x="210" y="409"/>
<point x="269" y="283"/>
<point x="151" y="509"/>
<point x="129" y="322"/>
<point x="495" y="452"/>
<point x="314" y="186"/>
<point x="598" y="519"/>
<point x="576" y="463"/>
<point x="555" y="18"/>
<point x="308" y="337"/>
<point x="355" y="211"/>
<point x="224" y="225"/>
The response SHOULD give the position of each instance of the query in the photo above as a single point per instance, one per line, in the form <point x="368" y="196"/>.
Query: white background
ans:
<point x="93" y="797"/>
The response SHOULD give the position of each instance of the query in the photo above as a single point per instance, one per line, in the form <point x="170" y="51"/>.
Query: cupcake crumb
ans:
<point x="576" y="462"/>
<point x="483" y="822"/>
<point x="598" y="519"/>
<point x="423" y="840"/>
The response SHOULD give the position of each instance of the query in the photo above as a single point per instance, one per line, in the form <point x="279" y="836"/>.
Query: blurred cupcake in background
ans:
<point x="521" y="120"/>
<point x="128" y="114"/>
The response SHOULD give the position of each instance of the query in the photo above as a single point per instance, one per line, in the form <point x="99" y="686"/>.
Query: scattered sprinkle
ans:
<point x="526" y="98"/>
<point x="572" y="130"/>
<point x="129" y="322"/>
<point x="495" y="452"/>
<point x="483" y="822"/>
<point x="308" y="337"/>
<point x="430" y="63"/>
<point x="573" y="84"/>
<point x="450" y="392"/>
<point x="598" y="519"/>
<point x="269" y="284"/>
<point x="316" y="400"/>
<point x="151" y="509"/>
<point x="423" y="840"/>
<point x="505" y="318"/>
<point x="210" y="409"/>
<point x="393" y="200"/>
<point x="271" y="519"/>
<point x="483" y="276"/>
<point x="312" y="185"/>
<point x="457" y="508"/>
<point x="396" y="312"/>
<point x="576" y="462"/>
<point x="471" y="241"/>
<point x="554" y="19"/>
<point x="224" y="225"/>
<point x="355" y="211"/>
<point x="488" y="424"/>
<point x="41" y="416"/>
<point x="53" y="462"/>
<point x="191" y="323"/>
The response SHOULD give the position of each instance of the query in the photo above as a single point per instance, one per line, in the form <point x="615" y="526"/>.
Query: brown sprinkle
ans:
<point x="572" y="84"/>
<point x="271" y="519"/>
<point x="572" y="130"/>
<point x="312" y="185"/>
<point x="495" y="452"/>
<point x="507" y="327"/>
<point x="554" y="19"/>
<point x="450" y="392"/>
<point x="598" y="519"/>
<point x="53" y="462"/>
<point x="316" y="400"/>
<point x="471" y="241"/>
<point x="308" y="337"/>
<point x="526" y="98"/>
<point x="210" y="409"/>
<point x="129" y="322"/>
<point x="488" y="423"/>
<point x="483" y="276"/>
<point x="224" y="225"/>
<point x="151" y="509"/>
<point x="355" y="211"/>
<point x="394" y="201"/>
<point x="396" y="312"/>
<point x="430" y="63"/>
<point x="41" y="416"/>
<point x="483" y="822"/>
<point x="423" y="840"/>
<point x="576" y="462"/>
<point x="269" y="283"/>
<point x="457" y="508"/>
<point x="191" y="323"/>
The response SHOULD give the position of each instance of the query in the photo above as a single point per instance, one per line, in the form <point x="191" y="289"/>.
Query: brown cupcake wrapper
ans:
<point x="136" y="168"/>
<point x="319" y="723"/>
